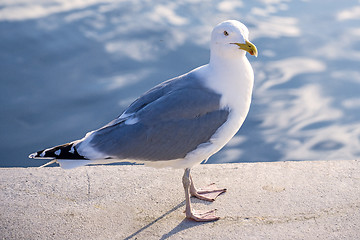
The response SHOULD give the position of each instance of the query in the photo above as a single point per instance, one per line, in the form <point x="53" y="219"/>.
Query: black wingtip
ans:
<point x="65" y="151"/>
<point x="39" y="155"/>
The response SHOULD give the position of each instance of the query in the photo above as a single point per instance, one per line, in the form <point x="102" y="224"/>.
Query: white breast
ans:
<point x="235" y="87"/>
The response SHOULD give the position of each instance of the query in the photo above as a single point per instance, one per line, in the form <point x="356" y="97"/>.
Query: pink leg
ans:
<point x="199" y="216"/>
<point x="210" y="193"/>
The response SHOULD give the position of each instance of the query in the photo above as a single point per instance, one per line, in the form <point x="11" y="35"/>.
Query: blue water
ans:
<point x="70" y="67"/>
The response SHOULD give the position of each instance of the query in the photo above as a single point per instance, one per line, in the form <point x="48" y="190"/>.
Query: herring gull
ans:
<point x="180" y="122"/>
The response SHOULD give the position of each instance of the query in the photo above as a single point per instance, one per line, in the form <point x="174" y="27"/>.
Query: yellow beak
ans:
<point x="249" y="47"/>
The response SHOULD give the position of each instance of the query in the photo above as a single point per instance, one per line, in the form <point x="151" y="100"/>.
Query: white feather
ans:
<point x="131" y="121"/>
<point x="85" y="149"/>
<point x="68" y="164"/>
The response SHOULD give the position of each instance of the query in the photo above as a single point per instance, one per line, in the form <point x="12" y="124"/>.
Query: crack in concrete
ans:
<point x="88" y="184"/>
<point x="341" y="210"/>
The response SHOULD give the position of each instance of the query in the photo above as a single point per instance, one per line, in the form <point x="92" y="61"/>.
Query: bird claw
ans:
<point x="203" y="216"/>
<point x="210" y="193"/>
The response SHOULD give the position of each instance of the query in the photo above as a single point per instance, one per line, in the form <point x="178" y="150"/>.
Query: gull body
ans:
<point x="180" y="122"/>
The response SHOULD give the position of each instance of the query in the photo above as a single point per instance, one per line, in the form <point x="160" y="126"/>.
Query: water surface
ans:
<point x="68" y="67"/>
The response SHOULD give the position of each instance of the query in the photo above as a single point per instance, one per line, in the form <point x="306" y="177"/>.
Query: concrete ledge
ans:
<point x="280" y="200"/>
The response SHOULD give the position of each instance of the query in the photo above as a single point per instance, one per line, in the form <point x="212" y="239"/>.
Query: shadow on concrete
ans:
<point x="156" y="220"/>
<point x="184" y="224"/>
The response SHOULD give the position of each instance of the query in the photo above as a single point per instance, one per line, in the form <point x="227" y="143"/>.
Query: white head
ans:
<point x="230" y="39"/>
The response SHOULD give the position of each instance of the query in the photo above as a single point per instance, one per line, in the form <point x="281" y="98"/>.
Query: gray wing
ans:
<point x="167" y="123"/>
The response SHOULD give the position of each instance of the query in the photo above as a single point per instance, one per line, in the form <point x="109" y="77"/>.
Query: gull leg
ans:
<point x="210" y="193"/>
<point x="199" y="216"/>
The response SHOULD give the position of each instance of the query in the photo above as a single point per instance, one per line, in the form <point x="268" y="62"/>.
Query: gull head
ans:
<point x="230" y="39"/>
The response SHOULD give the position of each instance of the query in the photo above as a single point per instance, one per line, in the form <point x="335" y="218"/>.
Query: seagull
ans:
<point x="178" y="123"/>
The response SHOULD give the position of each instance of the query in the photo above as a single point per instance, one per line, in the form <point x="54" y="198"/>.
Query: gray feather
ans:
<point x="173" y="119"/>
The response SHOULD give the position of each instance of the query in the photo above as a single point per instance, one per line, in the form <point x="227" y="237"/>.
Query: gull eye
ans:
<point x="226" y="33"/>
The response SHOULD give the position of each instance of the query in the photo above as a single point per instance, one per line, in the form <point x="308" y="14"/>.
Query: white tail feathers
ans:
<point x="69" y="164"/>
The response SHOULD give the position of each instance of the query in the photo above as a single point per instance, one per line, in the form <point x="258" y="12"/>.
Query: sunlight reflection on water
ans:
<point x="69" y="67"/>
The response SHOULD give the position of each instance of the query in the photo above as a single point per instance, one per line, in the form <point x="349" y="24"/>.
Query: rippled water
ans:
<point x="68" y="67"/>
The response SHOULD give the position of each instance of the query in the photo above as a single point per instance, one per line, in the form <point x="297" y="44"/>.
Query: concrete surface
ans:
<point x="279" y="200"/>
